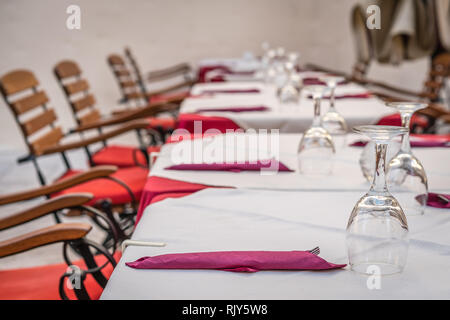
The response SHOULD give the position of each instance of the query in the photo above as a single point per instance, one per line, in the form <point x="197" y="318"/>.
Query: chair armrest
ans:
<point x="314" y="67"/>
<point x="38" y="238"/>
<point x="91" y="174"/>
<point x="165" y="73"/>
<point x="388" y="98"/>
<point x="394" y="89"/>
<point x="47" y="207"/>
<point x="445" y="118"/>
<point x="129" y="115"/>
<point x="183" y="84"/>
<point x="433" y="111"/>
<point x="132" y="125"/>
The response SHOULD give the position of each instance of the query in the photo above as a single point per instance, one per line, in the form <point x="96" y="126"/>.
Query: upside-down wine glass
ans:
<point x="377" y="230"/>
<point x="406" y="176"/>
<point x="332" y="120"/>
<point x="316" y="149"/>
<point x="289" y="93"/>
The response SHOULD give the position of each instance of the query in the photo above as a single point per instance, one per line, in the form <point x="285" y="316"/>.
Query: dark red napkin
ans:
<point x="235" y="109"/>
<point x="365" y="95"/>
<point x="237" y="261"/>
<point x="271" y="164"/>
<point x="435" y="201"/>
<point x="317" y="81"/>
<point x="420" y="141"/>
<point x="229" y="91"/>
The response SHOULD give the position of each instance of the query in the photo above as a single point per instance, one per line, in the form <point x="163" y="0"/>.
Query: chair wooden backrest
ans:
<point x="28" y="103"/>
<point x="439" y="71"/>
<point x="77" y="92"/>
<point x="136" y="69"/>
<point x="129" y="87"/>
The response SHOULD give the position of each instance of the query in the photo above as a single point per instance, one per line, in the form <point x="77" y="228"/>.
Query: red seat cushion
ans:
<point x="133" y="177"/>
<point x="166" y="96"/>
<point x="166" y="123"/>
<point x="41" y="283"/>
<point x="395" y="120"/>
<point x="121" y="156"/>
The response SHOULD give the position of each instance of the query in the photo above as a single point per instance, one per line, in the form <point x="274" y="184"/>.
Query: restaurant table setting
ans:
<point x="265" y="111"/>
<point x="304" y="198"/>
<point x="217" y="220"/>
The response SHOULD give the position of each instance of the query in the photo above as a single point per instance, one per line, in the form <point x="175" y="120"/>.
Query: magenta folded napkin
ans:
<point x="237" y="261"/>
<point x="272" y="164"/>
<point x="365" y="95"/>
<point x="435" y="200"/>
<point x="218" y="91"/>
<point x="234" y="109"/>
<point x="317" y="81"/>
<point x="425" y="143"/>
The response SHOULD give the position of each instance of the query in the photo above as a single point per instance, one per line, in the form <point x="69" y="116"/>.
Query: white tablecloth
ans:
<point x="346" y="173"/>
<point x="288" y="118"/>
<point x="239" y="219"/>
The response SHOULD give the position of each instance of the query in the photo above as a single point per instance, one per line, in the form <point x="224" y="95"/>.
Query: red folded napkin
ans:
<point x="234" y="167"/>
<point x="420" y="141"/>
<point x="237" y="261"/>
<point x="435" y="201"/>
<point x="365" y="95"/>
<point x="219" y="91"/>
<point x="317" y="81"/>
<point x="234" y="109"/>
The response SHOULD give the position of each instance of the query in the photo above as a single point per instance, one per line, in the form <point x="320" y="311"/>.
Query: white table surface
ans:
<point x="241" y="219"/>
<point x="346" y="174"/>
<point x="291" y="118"/>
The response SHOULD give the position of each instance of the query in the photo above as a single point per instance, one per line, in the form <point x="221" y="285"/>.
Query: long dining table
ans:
<point x="204" y="211"/>
<point x="255" y="105"/>
<point x="223" y="210"/>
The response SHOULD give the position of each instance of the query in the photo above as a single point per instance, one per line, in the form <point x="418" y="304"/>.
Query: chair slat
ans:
<point x="122" y="73"/>
<point x="134" y="95"/>
<point x="115" y="59"/>
<point x="49" y="139"/>
<point x="433" y="84"/>
<point x="128" y="84"/>
<point x="91" y="117"/>
<point x="66" y="69"/>
<point x="80" y="104"/>
<point x="35" y="124"/>
<point x="23" y="105"/>
<point x="17" y="81"/>
<point x="77" y="86"/>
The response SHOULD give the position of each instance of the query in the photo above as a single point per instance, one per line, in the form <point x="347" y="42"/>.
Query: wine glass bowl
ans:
<point x="377" y="230"/>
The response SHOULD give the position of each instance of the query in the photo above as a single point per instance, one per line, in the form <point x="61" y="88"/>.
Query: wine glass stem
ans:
<point x="332" y="97"/>
<point x="405" y="145"/>
<point x="379" y="179"/>
<point x="316" y="120"/>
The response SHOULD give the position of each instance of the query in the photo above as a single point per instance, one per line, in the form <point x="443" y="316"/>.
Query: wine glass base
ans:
<point x="371" y="268"/>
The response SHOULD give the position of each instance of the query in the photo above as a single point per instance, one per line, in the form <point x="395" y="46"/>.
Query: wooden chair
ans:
<point x="87" y="116"/>
<point x="91" y="273"/>
<point x="116" y="193"/>
<point x="183" y="69"/>
<point x="134" y="96"/>
<point x="134" y="91"/>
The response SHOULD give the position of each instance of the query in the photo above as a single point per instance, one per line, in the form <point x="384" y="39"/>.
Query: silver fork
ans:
<point x="315" y="251"/>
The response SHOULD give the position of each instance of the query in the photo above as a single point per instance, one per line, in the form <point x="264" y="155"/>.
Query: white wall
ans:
<point x="163" y="32"/>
